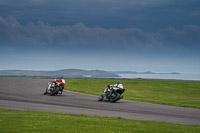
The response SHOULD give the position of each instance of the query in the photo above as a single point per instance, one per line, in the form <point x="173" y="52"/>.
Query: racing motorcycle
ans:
<point x="54" y="89"/>
<point x="112" y="94"/>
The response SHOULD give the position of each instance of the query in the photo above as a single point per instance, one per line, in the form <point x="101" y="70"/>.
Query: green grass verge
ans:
<point x="18" y="121"/>
<point x="169" y="92"/>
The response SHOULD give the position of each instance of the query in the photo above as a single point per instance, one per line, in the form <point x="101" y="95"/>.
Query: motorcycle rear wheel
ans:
<point x="55" y="92"/>
<point x="115" y="98"/>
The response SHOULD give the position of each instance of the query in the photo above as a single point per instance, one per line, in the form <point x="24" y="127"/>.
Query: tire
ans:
<point x="45" y="91"/>
<point x="55" y="91"/>
<point x="116" y="98"/>
<point x="100" y="98"/>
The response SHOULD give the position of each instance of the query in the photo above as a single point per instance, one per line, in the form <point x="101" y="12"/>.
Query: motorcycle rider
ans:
<point x="118" y="85"/>
<point x="109" y="90"/>
<point x="61" y="83"/>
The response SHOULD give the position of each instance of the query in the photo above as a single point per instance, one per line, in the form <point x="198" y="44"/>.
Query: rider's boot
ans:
<point x="61" y="91"/>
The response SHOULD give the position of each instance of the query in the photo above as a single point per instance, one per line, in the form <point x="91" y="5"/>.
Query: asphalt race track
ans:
<point x="28" y="94"/>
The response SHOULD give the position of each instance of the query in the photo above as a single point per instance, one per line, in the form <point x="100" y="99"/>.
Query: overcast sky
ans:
<point x="130" y="35"/>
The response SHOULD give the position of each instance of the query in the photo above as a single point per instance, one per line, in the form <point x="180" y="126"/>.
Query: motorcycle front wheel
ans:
<point x="100" y="98"/>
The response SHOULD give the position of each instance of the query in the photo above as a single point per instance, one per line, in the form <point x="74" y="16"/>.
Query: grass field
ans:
<point x="17" y="121"/>
<point x="169" y="92"/>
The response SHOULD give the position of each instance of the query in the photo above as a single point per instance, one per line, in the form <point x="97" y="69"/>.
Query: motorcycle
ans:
<point x="54" y="89"/>
<point x="112" y="94"/>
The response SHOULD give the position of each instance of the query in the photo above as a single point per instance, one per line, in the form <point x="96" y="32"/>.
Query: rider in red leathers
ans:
<point x="61" y="84"/>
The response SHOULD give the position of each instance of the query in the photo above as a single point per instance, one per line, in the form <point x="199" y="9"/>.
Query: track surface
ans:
<point x="28" y="94"/>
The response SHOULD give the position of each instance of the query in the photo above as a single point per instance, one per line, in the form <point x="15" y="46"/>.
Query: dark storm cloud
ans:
<point x="143" y="34"/>
<point x="79" y="35"/>
<point x="143" y="14"/>
<point x="146" y="24"/>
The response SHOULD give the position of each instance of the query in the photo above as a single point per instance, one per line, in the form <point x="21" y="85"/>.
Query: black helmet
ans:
<point x="118" y="82"/>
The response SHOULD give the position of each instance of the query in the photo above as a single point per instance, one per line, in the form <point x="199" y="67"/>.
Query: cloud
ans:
<point x="79" y="35"/>
<point x="76" y="35"/>
<point x="106" y="2"/>
<point x="188" y="36"/>
<point x="143" y="14"/>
